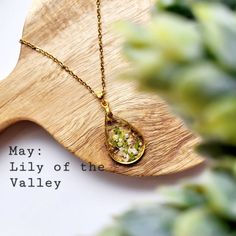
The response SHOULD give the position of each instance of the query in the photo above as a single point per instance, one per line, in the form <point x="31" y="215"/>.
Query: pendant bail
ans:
<point x="106" y="107"/>
<point x="100" y="95"/>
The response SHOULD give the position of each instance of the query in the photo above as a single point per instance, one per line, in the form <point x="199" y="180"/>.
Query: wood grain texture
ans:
<point x="39" y="91"/>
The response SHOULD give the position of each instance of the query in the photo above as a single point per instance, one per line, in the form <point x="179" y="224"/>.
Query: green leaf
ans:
<point x="219" y="189"/>
<point x="135" y="35"/>
<point x="200" y="221"/>
<point x="216" y="149"/>
<point x="182" y="196"/>
<point x="113" y="230"/>
<point x="150" y="220"/>
<point x="179" y="40"/>
<point x="200" y="84"/>
<point x="219" y="32"/>
<point x="226" y="164"/>
<point x="181" y="7"/>
<point x="184" y="7"/>
<point x="218" y="121"/>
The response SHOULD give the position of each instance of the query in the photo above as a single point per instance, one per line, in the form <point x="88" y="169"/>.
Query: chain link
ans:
<point x="68" y="70"/>
<point x="100" y="44"/>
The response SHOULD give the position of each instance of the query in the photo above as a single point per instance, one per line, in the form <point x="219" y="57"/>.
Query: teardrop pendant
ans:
<point x="125" y="144"/>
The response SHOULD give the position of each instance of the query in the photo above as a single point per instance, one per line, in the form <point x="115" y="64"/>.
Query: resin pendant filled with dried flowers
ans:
<point x="124" y="142"/>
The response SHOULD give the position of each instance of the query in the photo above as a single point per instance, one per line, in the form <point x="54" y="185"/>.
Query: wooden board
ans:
<point x="39" y="91"/>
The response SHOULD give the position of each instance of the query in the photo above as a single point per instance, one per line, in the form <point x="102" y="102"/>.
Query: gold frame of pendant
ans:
<point x="132" y="128"/>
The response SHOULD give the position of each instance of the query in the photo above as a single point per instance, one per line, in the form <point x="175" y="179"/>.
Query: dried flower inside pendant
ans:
<point x="125" y="144"/>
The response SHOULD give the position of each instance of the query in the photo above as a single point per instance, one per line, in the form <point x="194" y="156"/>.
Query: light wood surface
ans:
<point x="39" y="91"/>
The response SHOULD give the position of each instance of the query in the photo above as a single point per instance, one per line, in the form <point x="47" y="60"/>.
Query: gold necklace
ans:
<point x="124" y="143"/>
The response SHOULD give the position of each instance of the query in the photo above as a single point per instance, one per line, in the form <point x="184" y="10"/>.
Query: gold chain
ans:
<point x="68" y="70"/>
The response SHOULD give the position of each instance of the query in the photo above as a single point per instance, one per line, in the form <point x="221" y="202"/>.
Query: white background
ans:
<point x="85" y="201"/>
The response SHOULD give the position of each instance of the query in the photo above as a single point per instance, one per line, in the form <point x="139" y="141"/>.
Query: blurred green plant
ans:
<point x="187" y="54"/>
